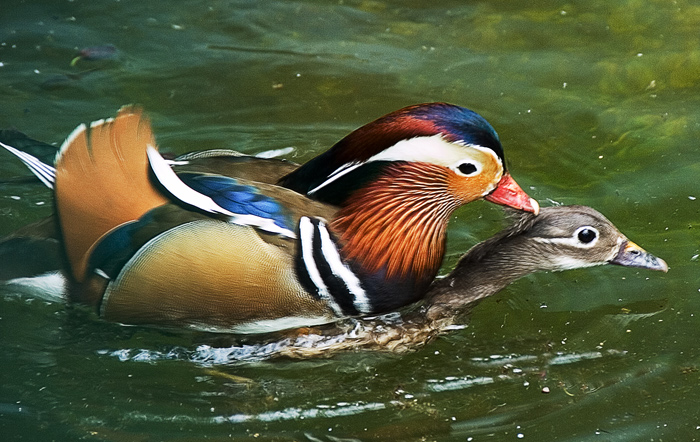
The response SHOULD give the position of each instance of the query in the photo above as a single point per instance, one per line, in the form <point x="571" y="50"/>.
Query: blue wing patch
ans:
<point x="242" y="199"/>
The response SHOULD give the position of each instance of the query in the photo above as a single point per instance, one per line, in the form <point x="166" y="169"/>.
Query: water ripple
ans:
<point x="287" y="414"/>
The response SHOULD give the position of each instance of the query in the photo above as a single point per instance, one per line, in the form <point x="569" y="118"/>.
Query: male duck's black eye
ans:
<point x="467" y="168"/>
<point x="586" y="235"/>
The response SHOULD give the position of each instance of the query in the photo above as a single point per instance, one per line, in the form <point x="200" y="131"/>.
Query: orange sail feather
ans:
<point x="102" y="182"/>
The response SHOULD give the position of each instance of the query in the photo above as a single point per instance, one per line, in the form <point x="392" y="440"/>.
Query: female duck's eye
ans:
<point x="586" y="235"/>
<point x="467" y="169"/>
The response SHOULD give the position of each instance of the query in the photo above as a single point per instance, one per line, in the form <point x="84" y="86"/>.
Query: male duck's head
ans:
<point x="433" y="144"/>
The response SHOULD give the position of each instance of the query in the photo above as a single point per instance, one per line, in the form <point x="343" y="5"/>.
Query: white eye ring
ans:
<point x="586" y="236"/>
<point x="467" y="168"/>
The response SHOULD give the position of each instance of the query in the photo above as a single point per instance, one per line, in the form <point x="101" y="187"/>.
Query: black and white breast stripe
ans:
<point x="322" y="270"/>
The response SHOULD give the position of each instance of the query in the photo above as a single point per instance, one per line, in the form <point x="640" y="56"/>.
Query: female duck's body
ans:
<point x="560" y="238"/>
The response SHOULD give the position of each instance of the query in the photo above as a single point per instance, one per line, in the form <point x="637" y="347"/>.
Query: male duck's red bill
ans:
<point x="509" y="193"/>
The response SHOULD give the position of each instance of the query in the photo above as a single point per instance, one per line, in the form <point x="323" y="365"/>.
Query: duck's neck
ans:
<point x="396" y="226"/>
<point x="486" y="269"/>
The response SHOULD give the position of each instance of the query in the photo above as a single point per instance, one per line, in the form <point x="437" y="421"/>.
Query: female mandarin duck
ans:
<point x="149" y="241"/>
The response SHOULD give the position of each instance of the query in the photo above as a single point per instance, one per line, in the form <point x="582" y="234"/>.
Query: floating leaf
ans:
<point x="95" y="53"/>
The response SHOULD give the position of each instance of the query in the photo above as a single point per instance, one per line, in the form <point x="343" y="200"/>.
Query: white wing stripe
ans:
<point x="172" y="183"/>
<point x="167" y="177"/>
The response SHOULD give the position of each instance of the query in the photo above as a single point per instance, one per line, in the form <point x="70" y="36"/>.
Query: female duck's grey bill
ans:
<point x="631" y="255"/>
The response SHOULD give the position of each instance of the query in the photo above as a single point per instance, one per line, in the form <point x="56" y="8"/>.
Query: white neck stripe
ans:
<point x="339" y="172"/>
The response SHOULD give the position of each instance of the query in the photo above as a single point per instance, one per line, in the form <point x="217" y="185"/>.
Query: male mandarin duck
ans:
<point x="358" y="230"/>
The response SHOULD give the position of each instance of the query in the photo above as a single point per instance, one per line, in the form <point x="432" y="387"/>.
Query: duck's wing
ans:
<point x="234" y="164"/>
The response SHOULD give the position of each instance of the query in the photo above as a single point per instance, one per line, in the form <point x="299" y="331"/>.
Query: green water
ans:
<point x="596" y="103"/>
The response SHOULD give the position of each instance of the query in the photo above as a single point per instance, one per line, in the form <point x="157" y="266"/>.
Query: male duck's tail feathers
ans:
<point x="43" y="151"/>
<point x="102" y="181"/>
<point x="46" y="173"/>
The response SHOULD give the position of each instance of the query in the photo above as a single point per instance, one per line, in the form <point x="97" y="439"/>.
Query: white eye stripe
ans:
<point x="433" y="149"/>
<point x="574" y="240"/>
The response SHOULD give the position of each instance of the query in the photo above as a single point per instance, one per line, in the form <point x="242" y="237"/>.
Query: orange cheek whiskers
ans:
<point x="473" y="188"/>
<point x="396" y="231"/>
<point x="398" y="224"/>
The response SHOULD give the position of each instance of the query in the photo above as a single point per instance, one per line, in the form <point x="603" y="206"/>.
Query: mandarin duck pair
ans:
<point x="220" y="241"/>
